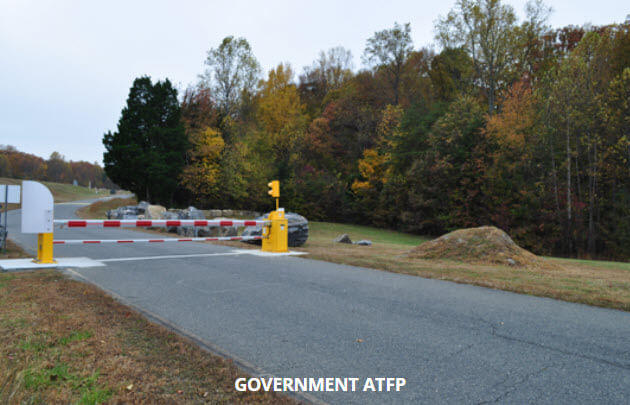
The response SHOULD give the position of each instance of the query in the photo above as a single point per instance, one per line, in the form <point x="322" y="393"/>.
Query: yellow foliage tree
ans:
<point x="373" y="165"/>
<point x="280" y="111"/>
<point x="201" y="175"/>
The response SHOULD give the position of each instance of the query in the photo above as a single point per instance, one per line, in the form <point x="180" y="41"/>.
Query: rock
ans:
<point x="214" y="213"/>
<point x="298" y="229"/>
<point x="192" y="213"/>
<point x="363" y="242"/>
<point x="142" y="207"/>
<point x="227" y="213"/>
<point x="127" y="212"/>
<point x="154" y="211"/>
<point x="344" y="238"/>
<point x="511" y="261"/>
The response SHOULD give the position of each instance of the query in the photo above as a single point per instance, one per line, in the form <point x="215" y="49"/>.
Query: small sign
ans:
<point x="13" y="197"/>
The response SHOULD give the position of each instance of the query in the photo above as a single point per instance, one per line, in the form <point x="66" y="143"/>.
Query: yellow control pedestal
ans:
<point x="44" y="248"/>
<point x="276" y="235"/>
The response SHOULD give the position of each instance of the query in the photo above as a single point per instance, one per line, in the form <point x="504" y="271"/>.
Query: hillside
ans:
<point x="63" y="192"/>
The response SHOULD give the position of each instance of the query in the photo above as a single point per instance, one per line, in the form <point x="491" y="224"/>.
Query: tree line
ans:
<point x="21" y="165"/>
<point x="510" y="123"/>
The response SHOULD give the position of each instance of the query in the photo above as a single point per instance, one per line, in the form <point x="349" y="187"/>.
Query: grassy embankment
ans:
<point x="600" y="283"/>
<point x="64" y="341"/>
<point x="61" y="192"/>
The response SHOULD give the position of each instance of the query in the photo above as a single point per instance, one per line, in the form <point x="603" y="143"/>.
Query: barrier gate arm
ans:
<point x="38" y="210"/>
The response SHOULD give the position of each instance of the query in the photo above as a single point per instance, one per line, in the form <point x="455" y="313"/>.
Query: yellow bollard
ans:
<point x="276" y="235"/>
<point x="45" y="248"/>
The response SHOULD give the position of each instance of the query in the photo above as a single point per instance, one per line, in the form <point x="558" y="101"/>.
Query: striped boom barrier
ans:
<point x="209" y="239"/>
<point x="107" y="223"/>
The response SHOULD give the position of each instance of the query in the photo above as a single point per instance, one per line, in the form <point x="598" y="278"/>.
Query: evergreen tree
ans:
<point x="147" y="153"/>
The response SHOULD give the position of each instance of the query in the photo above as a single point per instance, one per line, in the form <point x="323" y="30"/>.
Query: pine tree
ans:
<point x="147" y="153"/>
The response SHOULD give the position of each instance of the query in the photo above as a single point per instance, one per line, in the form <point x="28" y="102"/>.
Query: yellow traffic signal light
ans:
<point x="274" y="188"/>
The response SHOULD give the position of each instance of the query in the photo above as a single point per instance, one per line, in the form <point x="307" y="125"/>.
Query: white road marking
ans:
<point x="131" y="259"/>
<point x="232" y="253"/>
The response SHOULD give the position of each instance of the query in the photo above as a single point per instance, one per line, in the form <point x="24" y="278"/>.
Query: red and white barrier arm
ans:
<point x="111" y="223"/>
<point x="209" y="239"/>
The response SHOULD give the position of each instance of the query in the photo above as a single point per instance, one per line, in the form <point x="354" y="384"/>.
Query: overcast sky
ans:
<point x="66" y="66"/>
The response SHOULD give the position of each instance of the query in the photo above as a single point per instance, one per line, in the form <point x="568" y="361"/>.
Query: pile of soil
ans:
<point x="483" y="245"/>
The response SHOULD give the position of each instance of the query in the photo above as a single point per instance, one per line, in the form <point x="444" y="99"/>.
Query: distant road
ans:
<point x="294" y="317"/>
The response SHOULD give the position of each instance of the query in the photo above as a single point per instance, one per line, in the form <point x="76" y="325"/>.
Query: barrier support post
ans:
<point x="45" y="248"/>
<point x="276" y="235"/>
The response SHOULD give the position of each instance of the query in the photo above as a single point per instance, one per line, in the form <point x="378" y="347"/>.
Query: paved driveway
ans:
<point x="295" y="317"/>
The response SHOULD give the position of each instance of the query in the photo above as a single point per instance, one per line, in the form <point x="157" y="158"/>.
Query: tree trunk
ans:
<point x="569" y="203"/>
<point x="591" y="202"/>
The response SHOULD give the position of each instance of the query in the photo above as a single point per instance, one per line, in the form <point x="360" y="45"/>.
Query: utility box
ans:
<point x="275" y="237"/>
<point x="37" y="208"/>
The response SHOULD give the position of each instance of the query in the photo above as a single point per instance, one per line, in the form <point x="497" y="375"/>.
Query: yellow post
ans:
<point x="276" y="235"/>
<point x="45" y="248"/>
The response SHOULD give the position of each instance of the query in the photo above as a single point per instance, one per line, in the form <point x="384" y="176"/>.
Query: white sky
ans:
<point x="66" y="66"/>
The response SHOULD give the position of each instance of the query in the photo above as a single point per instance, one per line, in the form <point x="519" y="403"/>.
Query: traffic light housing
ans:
<point x="274" y="188"/>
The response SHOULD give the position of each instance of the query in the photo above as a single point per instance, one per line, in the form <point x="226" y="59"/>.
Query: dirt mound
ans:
<point x="483" y="245"/>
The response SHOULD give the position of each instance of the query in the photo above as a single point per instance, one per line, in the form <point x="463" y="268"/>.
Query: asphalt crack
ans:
<point x="511" y="388"/>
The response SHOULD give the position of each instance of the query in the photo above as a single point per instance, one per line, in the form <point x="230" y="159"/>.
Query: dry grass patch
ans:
<point x="13" y="251"/>
<point x="66" y="342"/>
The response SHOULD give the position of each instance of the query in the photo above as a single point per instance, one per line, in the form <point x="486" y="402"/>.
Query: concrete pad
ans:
<point x="28" y="264"/>
<point x="256" y="252"/>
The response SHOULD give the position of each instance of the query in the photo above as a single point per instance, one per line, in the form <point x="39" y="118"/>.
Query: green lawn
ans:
<point x="320" y="231"/>
<point x="595" y="263"/>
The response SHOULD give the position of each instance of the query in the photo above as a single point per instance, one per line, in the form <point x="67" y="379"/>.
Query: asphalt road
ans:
<point x="294" y="317"/>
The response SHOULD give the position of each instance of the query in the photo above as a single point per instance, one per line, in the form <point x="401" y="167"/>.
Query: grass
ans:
<point x="64" y="341"/>
<point x="12" y="251"/>
<point x="98" y="209"/>
<point x="327" y="231"/>
<point x="62" y="192"/>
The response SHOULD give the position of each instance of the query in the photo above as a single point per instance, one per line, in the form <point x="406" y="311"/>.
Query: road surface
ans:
<point x="295" y="317"/>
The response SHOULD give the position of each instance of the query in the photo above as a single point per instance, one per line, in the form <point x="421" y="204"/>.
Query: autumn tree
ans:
<point x="451" y="73"/>
<point x="281" y="115"/>
<point x="485" y="29"/>
<point x="388" y="50"/>
<point x="327" y="73"/>
<point x="232" y="73"/>
<point x="201" y="175"/>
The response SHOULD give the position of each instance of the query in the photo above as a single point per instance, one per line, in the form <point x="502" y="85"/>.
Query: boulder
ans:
<point x="142" y="207"/>
<point x="363" y="242"/>
<point x="344" y="238"/>
<point x="127" y="212"/>
<point x="154" y="211"/>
